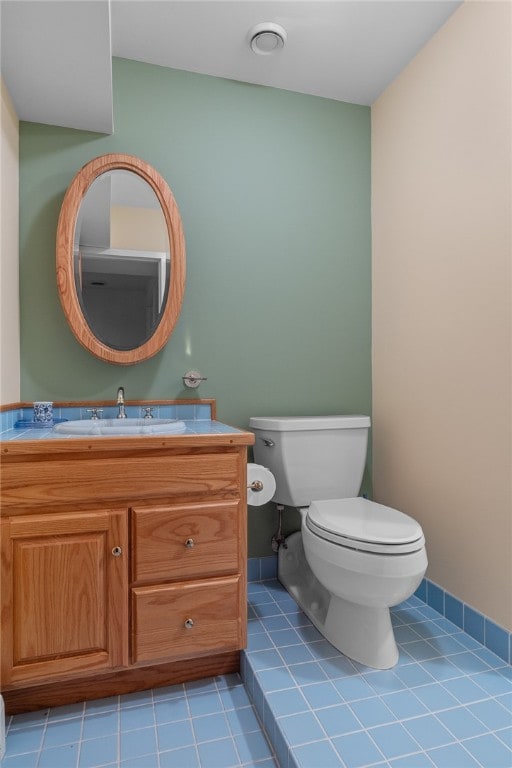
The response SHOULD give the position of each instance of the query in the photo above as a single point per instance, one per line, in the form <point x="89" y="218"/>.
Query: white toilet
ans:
<point x="353" y="558"/>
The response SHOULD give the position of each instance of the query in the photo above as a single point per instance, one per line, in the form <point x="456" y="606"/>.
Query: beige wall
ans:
<point x="139" y="229"/>
<point x="442" y="383"/>
<point x="9" y="293"/>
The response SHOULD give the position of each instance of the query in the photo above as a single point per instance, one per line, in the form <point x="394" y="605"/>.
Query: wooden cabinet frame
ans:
<point x="96" y="495"/>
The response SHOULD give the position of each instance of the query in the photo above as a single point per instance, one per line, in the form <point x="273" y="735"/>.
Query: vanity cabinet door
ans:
<point x="64" y="594"/>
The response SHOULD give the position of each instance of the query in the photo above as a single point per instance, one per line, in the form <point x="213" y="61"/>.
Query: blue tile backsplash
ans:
<point x="197" y="417"/>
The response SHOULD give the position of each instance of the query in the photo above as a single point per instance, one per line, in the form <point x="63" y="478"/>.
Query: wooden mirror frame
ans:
<point x="65" y="258"/>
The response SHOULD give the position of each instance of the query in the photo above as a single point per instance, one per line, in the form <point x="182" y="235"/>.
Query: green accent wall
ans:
<point x="274" y="192"/>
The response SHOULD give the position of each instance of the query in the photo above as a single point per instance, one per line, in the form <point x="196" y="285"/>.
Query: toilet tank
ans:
<point x="312" y="457"/>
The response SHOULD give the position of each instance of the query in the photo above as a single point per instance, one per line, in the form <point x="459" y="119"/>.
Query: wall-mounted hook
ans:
<point x="193" y="379"/>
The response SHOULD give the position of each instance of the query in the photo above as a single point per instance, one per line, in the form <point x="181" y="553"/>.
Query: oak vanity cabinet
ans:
<point x="123" y="565"/>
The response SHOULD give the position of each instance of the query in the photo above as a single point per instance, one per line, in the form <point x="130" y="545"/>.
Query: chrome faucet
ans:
<point x="120" y="403"/>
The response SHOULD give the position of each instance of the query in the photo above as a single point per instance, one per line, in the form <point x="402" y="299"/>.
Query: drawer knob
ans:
<point x="189" y="543"/>
<point x="189" y="623"/>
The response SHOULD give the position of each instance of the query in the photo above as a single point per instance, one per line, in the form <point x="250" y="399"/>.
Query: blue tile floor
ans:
<point x="447" y="703"/>
<point x="205" y="724"/>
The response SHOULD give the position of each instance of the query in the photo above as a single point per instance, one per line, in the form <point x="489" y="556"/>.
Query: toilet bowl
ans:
<point x="363" y="577"/>
<point x="353" y="558"/>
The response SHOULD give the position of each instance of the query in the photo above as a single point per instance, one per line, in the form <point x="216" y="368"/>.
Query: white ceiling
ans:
<point x="57" y="63"/>
<point x="56" y="54"/>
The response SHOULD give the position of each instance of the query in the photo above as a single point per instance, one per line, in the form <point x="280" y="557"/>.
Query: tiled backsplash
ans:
<point x="186" y="412"/>
<point x="487" y="632"/>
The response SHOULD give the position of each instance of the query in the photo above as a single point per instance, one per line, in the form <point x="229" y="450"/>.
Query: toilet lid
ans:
<point x="365" y="525"/>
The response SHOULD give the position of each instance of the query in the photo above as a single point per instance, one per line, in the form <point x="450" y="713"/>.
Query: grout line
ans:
<point x="252" y="675"/>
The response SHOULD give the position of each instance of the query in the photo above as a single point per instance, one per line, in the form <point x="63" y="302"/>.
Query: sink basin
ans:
<point x="116" y="427"/>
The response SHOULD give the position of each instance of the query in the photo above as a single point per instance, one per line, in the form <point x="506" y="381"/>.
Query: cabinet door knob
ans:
<point x="189" y="543"/>
<point x="117" y="551"/>
<point x="189" y="623"/>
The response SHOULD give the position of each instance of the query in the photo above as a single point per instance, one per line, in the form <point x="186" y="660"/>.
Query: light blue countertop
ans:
<point x="193" y="427"/>
<point x="195" y="416"/>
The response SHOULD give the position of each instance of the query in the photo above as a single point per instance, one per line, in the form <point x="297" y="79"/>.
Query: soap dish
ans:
<point x="29" y="424"/>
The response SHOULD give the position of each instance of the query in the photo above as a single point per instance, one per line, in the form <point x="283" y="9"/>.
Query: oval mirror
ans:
<point x="120" y="259"/>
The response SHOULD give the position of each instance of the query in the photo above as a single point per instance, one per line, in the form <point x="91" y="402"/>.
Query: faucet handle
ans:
<point x="148" y="412"/>
<point x="94" y="413"/>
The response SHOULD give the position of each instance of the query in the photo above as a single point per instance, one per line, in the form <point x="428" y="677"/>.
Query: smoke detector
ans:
<point x="267" y="38"/>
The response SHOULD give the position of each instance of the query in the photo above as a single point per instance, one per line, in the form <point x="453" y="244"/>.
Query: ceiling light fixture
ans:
<point x="267" y="38"/>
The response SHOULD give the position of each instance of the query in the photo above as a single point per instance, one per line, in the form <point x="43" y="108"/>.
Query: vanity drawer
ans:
<point x="46" y="485"/>
<point x="185" y="541"/>
<point x="186" y="619"/>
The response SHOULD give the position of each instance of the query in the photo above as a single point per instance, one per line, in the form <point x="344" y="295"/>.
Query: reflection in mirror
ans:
<point x="121" y="259"/>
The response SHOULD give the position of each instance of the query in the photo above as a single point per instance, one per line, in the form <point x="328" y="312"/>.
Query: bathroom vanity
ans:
<point x="123" y="563"/>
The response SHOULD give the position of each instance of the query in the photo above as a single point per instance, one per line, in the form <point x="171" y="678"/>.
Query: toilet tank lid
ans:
<point x="297" y="423"/>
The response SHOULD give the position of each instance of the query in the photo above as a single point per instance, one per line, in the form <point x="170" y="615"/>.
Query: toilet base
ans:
<point x="364" y="634"/>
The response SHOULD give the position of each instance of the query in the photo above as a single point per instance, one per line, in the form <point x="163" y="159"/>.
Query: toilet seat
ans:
<point x="364" y="525"/>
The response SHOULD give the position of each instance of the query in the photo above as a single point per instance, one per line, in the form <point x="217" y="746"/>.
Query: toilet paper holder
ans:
<point x="261" y="485"/>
